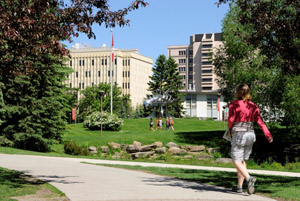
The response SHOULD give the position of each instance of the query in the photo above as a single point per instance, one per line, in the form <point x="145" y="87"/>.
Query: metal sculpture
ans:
<point x="159" y="99"/>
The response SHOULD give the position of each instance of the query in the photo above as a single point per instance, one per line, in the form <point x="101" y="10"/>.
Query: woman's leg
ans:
<point x="242" y="171"/>
<point x="241" y="178"/>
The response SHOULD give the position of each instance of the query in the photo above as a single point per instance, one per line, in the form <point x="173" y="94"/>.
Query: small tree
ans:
<point x="91" y="100"/>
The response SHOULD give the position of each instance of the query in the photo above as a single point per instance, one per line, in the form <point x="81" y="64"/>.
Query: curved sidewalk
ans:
<point x="86" y="182"/>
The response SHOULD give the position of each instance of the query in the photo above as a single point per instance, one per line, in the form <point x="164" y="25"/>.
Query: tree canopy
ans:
<point x="261" y="48"/>
<point x="32" y="64"/>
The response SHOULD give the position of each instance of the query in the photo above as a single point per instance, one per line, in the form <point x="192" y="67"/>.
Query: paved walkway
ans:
<point x="86" y="182"/>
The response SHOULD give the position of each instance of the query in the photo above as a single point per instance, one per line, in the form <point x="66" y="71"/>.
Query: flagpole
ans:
<point x="111" y="72"/>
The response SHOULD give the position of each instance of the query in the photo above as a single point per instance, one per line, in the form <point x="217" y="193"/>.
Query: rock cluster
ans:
<point x="156" y="150"/>
<point x="137" y="150"/>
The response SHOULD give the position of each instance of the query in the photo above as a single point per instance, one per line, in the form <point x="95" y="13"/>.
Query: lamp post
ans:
<point x="101" y="95"/>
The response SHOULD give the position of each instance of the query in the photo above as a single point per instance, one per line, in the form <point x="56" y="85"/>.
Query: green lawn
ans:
<point x="14" y="184"/>
<point x="187" y="131"/>
<point x="284" y="188"/>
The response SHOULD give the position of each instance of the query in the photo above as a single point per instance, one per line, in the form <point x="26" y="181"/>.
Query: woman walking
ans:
<point x="242" y="114"/>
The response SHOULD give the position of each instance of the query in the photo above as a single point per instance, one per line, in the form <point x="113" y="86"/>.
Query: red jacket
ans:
<point x="246" y="111"/>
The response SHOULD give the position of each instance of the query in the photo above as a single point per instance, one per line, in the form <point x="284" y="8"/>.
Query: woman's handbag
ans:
<point x="227" y="135"/>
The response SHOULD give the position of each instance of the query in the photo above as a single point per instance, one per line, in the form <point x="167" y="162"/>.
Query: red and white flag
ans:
<point x="112" y="47"/>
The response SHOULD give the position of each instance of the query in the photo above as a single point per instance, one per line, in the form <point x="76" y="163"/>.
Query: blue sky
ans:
<point x="161" y="23"/>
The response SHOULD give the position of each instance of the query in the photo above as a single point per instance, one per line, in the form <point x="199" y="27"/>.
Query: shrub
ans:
<point x="72" y="148"/>
<point x="109" y="122"/>
<point x="33" y="142"/>
<point x="4" y="142"/>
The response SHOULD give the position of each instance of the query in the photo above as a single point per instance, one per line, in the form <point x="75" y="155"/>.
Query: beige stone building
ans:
<point x="199" y="80"/>
<point x="91" y="66"/>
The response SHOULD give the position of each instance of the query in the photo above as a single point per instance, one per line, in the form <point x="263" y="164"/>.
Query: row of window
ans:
<point x="103" y="62"/>
<point x="182" y="61"/>
<point x="81" y="85"/>
<point x="89" y="74"/>
<point x="207" y="46"/>
<point x="182" y="52"/>
<point x="126" y="73"/>
<point x="126" y="85"/>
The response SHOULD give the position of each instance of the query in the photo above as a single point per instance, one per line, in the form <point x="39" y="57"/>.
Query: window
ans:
<point x="206" y="71"/>
<point x="128" y="62"/>
<point x="123" y="85"/>
<point x="115" y="61"/>
<point x="76" y="74"/>
<point x="212" y="100"/>
<point x="125" y="62"/>
<point x="190" y="77"/>
<point x="86" y="73"/>
<point x="182" y="61"/>
<point x="105" y="61"/>
<point x="207" y="46"/>
<point x="182" y="69"/>
<point x="206" y="63"/>
<point x="89" y="73"/>
<point x="125" y="73"/>
<point x="71" y="63"/>
<point x="128" y="85"/>
<point x="191" y="68"/>
<point x="183" y="76"/>
<point x="206" y="88"/>
<point x="82" y="62"/>
<point x="79" y="62"/>
<point x="205" y="54"/>
<point x="92" y="83"/>
<point x="82" y="85"/>
<point x="93" y="62"/>
<point x="206" y="79"/>
<point x="79" y="85"/>
<point x="191" y="60"/>
<point x="128" y="73"/>
<point x="182" y="53"/>
<point x="99" y="73"/>
<point x="190" y="52"/>
<point x="112" y="73"/>
<point x="70" y="85"/>
<point x="102" y="61"/>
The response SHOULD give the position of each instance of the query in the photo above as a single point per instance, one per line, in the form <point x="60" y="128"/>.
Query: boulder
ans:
<point x="160" y="150"/>
<point x="132" y="149"/>
<point x="197" y="148"/>
<point x="158" y="144"/>
<point x="114" y="145"/>
<point x="224" y="160"/>
<point x="176" y="150"/>
<point x="147" y="147"/>
<point x="104" y="149"/>
<point x="93" y="150"/>
<point x="171" y="144"/>
<point x="137" y="144"/>
<point x="142" y="154"/>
